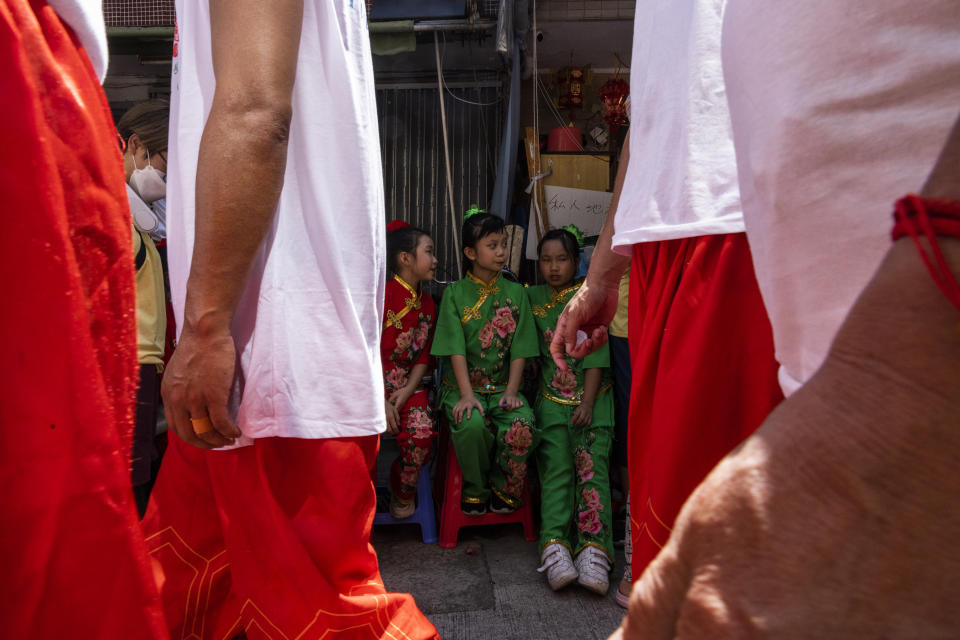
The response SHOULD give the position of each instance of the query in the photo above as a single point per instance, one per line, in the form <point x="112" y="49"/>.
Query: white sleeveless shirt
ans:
<point x="307" y="327"/>
<point x="85" y="17"/>
<point x="838" y="109"/>
<point x="681" y="180"/>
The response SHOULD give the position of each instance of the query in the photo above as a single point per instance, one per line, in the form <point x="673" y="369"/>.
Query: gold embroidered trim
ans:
<point x="555" y="541"/>
<point x="472" y="500"/>
<point x="575" y="400"/>
<point x="412" y="303"/>
<point x="486" y="289"/>
<point x="513" y="502"/>
<point x="487" y="389"/>
<point x="540" y="310"/>
<point x="596" y="546"/>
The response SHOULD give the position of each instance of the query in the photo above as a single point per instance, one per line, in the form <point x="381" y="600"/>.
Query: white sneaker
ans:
<point x="401" y="510"/>
<point x="558" y="564"/>
<point x="594" y="569"/>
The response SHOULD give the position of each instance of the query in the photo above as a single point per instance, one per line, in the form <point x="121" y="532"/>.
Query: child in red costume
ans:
<point x="409" y="318"/>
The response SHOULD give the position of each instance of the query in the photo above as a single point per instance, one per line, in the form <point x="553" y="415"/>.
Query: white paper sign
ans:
<point x="564" y="205"/>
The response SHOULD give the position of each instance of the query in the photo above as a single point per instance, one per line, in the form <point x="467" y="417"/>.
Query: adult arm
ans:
<point x="239" y="176"/>
<point x="595" y="304"/>
<point x="838" y="518"/>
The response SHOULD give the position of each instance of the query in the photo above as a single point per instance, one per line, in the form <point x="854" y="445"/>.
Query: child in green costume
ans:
<point x="574" y="412"/>
<point x="484" y="334"/>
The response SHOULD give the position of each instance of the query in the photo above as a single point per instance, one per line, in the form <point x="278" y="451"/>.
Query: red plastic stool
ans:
<point x="452" y="518"/>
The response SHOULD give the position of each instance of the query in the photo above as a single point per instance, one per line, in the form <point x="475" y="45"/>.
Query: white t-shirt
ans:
<point x="85" y="17"/>
<point x="308" y="325"/>
<point x="681" y="181"/>
<point x="838" y="109"/>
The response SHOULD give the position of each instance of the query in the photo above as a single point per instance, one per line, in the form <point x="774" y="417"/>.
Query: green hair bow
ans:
<point x="472" y="211"/>
<point x="572" y="228"/>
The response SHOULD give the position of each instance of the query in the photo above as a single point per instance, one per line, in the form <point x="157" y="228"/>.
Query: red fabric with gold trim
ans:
<point x="74" y="563"/>
<point x="272" y="539"/>
<point x="403" y="347"/>
<point x="704" y="373"/>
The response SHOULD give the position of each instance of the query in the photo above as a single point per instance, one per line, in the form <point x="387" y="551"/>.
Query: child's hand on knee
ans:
<point x="466" y="405"/>
<point x="510" y="401"/>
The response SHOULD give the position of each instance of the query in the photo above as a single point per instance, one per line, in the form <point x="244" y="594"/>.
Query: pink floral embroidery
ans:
<point x="519" y="437"/>
<point x="419" y="424"/>
<point x="591" y="499"/>
<point x="478" y="378"/>
<point x="548" y="335"/>
<point x="397" y="378"/>
<point x="419" y="455"/>
<point x="420" y="335"/>
<point x="503" y="322"/>
<point x="486" y="336"/>
<point x="512" y="487"/>
<point x="565" y="382"/>
<point x="517" y="469"/>
<point x="516" y="473"/>
<point x="584" y="462"/>
<point x="589" y="521"/>
<point x="404" y="339"/>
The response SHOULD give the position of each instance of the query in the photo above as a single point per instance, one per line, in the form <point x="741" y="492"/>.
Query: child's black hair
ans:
<point x="401" y="240"/>
<point x="567" y="239"/>
<point x="477" y="227"/>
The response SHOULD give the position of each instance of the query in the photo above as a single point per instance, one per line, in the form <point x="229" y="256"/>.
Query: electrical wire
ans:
<point x="443" y="53"/>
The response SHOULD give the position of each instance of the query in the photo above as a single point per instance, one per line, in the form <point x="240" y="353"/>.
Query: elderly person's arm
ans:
<point x="239" y="176"/>
<point x="595" y="303"/>
<point x="838" y="518"/>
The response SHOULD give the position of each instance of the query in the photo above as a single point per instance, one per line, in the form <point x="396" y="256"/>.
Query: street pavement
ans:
<point x="488" y="586"/>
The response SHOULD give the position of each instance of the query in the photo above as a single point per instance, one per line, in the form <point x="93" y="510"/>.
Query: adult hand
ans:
<point x="196" y="384"/>
<point x="837" y="518"/>
<point x="465" y="406"/>
<point x="590" y="310"/>
<point x="393" y="417"/>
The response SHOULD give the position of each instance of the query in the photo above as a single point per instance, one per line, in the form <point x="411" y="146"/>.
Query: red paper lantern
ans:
<point x="570" y="88"/>
<point x="614" y="94"/>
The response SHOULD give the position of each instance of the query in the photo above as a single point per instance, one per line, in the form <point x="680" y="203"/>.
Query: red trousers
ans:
<point x="73" y="564"/>
<point x="273" y="540"/>
<point x="704" y="373"/>
<point x="416" y="438"/>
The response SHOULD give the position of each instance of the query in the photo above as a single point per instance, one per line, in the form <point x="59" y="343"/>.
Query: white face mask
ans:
<point x="148" y="182"/>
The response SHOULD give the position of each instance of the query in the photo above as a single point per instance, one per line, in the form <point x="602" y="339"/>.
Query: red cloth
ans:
<point x="74" y="564"/>
<point x="418" y="432"/>
<point x="273" y="540"/>
<point x="402" y="348"/>
<point x="704" y="374"/>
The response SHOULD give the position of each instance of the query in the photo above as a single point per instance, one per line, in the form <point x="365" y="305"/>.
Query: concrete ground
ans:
<point x="488" y="586"/>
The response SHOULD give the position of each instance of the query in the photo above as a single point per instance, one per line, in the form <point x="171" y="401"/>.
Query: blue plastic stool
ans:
<point x="422" y="515"/>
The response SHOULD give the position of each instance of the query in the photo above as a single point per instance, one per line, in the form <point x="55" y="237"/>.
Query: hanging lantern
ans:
<point x="570" y="88"/>
<point x="614" y="94"/>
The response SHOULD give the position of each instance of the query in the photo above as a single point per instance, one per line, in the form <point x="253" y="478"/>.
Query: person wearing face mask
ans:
<point x="143" y="130"/>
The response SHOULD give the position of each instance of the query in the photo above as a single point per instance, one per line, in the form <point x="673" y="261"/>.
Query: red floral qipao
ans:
<point x="409" y="319"/>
